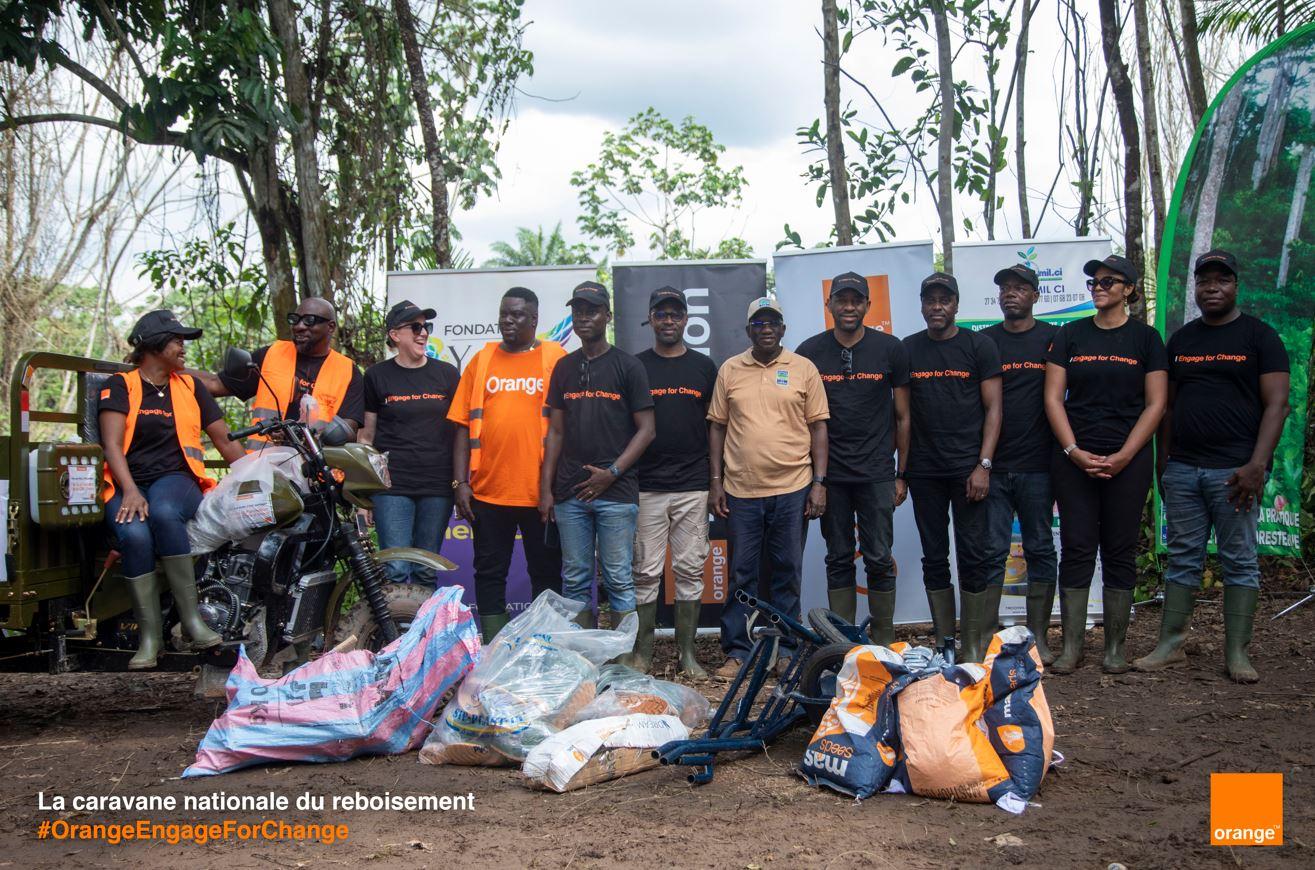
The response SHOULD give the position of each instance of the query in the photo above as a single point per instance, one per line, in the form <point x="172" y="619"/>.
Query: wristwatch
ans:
<point x="985" y="463"/>
<point x="817" y="478"/>
<point x="616" y="472"/>
<point x="1068" y="451"/>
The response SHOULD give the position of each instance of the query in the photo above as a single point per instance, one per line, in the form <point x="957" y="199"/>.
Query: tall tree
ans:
<point x="1150" y="118"/>
<point x="944" y="130"/>
<point x="1020" y="128"/>
<point x="1297" y="209"/>
<point x="1125" y="104"/>
<point x="415" y="66"/>
<point x="835" y="141"/>
<point x="1196" y="96"/>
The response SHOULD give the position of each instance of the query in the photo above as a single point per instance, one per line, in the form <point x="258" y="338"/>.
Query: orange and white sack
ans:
<point x="561" y="756"/>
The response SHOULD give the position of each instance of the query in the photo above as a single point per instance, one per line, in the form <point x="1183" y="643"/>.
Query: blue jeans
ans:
<point x="609" y="528"/>
<point x="775" y="524"/>
<point x="411" y="521"/>
<point x="1196" y="500"/>
<point x="1028" y="494"/>
<point x="172" y="501"/>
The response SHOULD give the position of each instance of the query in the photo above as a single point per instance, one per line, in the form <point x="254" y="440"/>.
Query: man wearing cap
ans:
<point x="1228" y="398"/>
<point x="601" y="423"/>
<point x="501" y="416"/>
<point x="954" y="401"/>
<point x="673" y="480"/>
<point x="768" y="454"/>
<point x="866" y="376"/>
<point x="1020" y="470"/>
<point x="290" y="372"/>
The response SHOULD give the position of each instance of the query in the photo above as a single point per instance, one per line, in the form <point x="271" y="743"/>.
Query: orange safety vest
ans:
<point x="187" y="424"/>
<point x="280" y="370"/>
<point x="479" y="390"/>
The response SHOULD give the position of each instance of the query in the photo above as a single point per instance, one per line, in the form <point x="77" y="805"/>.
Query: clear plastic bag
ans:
<point x="623" y="691"/>
<point x="254" y="495"/>
<point x="531" y="682"/>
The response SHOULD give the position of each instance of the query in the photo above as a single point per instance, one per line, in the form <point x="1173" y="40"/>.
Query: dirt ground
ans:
<point x="1133" y="790"/>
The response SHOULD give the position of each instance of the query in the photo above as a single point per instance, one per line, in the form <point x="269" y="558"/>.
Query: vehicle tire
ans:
<point x="404" y="602"/>
<point x="832" y="627"/>
<point x="818" y="677"/>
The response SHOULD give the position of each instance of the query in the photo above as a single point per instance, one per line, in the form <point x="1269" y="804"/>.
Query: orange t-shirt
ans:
<point x="511" y="438"/>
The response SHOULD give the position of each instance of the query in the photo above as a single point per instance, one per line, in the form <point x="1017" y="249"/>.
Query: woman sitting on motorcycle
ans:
<point x="150" y="427"/>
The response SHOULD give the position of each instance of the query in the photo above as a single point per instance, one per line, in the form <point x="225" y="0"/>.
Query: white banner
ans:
<point x="467" y="304"/>
<point x="894" y="273"/>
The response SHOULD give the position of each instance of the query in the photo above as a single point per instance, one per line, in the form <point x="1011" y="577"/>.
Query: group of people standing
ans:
<point x="609" y="465"/>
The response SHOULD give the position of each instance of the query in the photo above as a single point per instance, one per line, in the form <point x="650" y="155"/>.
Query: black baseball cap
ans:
<point x="406" y="311"/>
<point x="939" y="279"/>
<point x="850" y="281"/>
<point x="1217" y="257"/>
<point x="1023" y="273"/>
<point x="666" y="294"/>
<point x="160" y="322"/>
<point x="1122" y="265"/>
<point x="591" y="292"/>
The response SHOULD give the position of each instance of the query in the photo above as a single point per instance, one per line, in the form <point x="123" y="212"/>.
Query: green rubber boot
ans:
<point x="585" y="618"/>
<point x="942" y="615"/>
<point x="490" y="625"/>
<point x="641" y="659"/>
<point x="844" y="603"/>
<point x="687" y="628"/>
<point x="1073" y="618"/>
<point x="1239" y="614"/>
<point x="627" y="659"/>
<point x="145" y="592"/>
<point x="1174" y="618"/>
<point x="882" y="607"/>
<point x="1040" y="602"/>
<point x="991" y="614"/>
<point x="181" y="574"/>
<point x="1117" y="609"/>
<point x="971" y="607"/>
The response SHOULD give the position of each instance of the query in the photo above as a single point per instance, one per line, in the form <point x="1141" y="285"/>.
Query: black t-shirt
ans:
<point x="155" y="450"/>
<point x="861" y="431"/>
<point x="308" y="369"/>
<point x="945" y="401"/>
<point x="600" y="397"/>
<point x="1106" y="380"/>
<point x="413" y="428"/>
<point x="681" y="387"/>
<point x="1026" y="441"/>
<point x="1216" y="372"/>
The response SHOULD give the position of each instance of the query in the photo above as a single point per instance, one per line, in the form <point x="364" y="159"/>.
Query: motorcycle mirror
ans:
<point x="336" y="433"/>
<point x="237" y="362"/>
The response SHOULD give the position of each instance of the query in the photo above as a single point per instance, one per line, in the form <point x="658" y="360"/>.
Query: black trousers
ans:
<point x="1100" y="515"/>
<point x="495" y="535"/>
<point x="934" y="500"/>
<point x="869" y="507"/>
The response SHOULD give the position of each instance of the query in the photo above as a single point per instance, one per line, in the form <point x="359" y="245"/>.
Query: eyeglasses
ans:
<point x="1105" y="283"/>
<point x="417" y="327"/>
<point x="584" y="373"/>
<point x="307" y="319"/>
<point x="766" y="324"/>
<point x="666" y="315"/>
<point x="847" y="361"/>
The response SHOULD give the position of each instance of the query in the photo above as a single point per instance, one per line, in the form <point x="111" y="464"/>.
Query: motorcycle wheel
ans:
<point x="404" y="602"/>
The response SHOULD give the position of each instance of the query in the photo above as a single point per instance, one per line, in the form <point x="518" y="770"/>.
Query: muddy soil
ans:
<point x="1134" y="788"/>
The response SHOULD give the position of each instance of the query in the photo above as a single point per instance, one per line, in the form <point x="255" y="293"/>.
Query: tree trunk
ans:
<point x="1293" y="231"/>
<point x="1271" y="127"/>
<point x="1126" y="106"/>
<point x="835" y="143"/>
<point x="1221" y="137"/>
<point x="415" y="67"/>
<point x="1150" y="118"/>
<point x="945" y="131"/>
<point x="1020" y="160"/>
<point x="315" y="243"/>
<point x="263" y="200"/>
<point x="1196" y="98"/>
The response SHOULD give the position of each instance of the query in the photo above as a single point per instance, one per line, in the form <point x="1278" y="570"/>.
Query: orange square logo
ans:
<point x="1246" y="809"/>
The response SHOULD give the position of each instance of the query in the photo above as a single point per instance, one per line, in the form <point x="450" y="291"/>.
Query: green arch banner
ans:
<point x="1245" y="186"/>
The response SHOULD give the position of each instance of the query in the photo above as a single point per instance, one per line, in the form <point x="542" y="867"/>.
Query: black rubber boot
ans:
<point x="882" y="607"/>
<point x="1117" y="608"/>
<point x="1239" y="614"/>
<point x="586" y="619"/>
<point x="1174" y="619"/>
<point x="991" y="614"/>
<point x="1040" y="602"/>
<point x="971" y="606"/>
<point x="687" y="628"/>
<point x="942" y="615"/>
<point x="844" y="603"/>
<point x="642" y="657"/>
<point x="490" y="625"/>
<point x="181" y="574"/>
<point x="1073" y="618"/>
<point x="145" y="592"/>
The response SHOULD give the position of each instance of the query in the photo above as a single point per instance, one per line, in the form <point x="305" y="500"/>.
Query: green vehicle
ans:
<point x="312" y="577"/>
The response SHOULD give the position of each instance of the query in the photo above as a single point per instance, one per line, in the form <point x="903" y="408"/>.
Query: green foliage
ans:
<point x="660" y="175"/>
<point x="534" y="248"/>
<point x="1265" y="20"/>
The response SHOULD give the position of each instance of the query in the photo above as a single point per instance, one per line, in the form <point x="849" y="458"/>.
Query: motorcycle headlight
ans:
<point x="379" y="462"/>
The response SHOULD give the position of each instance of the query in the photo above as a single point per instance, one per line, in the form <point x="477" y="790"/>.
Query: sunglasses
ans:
<point x="1105" y="283"/>
<point x="660" y="316"/>
<point x="766" y="324"/>
<point x="847" y="361"/>
<point x="418" y="327"/>
<point x="584" y="373"/>
<point x="307" y="319"/>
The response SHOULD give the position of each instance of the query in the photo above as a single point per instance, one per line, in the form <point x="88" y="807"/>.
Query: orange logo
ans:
<point x="887" y="754"/>
<point x="1011" y="736"/>
<point x="878" y="316"/>
<point x="1246" y="809"/>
